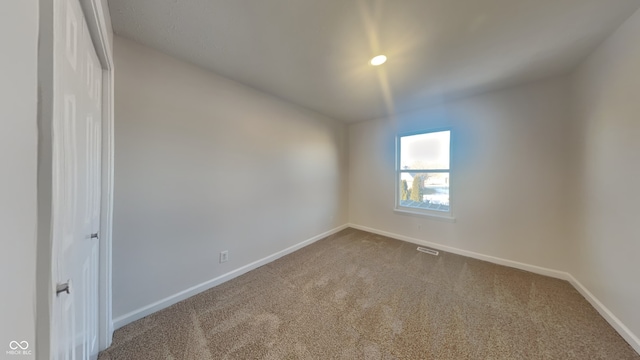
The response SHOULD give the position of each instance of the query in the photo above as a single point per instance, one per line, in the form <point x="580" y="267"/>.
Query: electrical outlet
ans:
<point x="224" y="256"/>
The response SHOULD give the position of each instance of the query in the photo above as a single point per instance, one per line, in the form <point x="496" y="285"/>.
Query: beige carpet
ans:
<point x="356" y="295"/>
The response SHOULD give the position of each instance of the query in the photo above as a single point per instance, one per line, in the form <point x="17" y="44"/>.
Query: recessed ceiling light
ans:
<point x="378" y="60"/>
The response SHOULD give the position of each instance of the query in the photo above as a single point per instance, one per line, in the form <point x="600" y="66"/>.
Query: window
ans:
<point x="423" y="173"/>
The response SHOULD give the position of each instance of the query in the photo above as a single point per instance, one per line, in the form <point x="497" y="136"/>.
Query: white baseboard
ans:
<point x="168" y="301"/>
<point x="624" y="331"/>
<point x="492" y="259"/>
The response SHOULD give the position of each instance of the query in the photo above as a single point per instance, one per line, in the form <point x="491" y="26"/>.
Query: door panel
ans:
<point x="76" y="184"/>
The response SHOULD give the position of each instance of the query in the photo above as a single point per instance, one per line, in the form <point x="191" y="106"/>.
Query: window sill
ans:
<point x="445" y="218"/>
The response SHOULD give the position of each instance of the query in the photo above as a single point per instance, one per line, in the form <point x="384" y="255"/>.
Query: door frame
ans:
<point x="101" y="34"/>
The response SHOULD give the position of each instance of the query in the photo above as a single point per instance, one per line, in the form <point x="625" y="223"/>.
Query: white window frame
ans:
<point x="437" y="214"/>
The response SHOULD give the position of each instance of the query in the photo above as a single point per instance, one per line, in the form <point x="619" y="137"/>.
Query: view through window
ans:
<point x="424" y="172"/>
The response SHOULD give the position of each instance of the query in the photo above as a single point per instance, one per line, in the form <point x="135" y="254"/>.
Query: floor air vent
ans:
<point x="428" y="251"/>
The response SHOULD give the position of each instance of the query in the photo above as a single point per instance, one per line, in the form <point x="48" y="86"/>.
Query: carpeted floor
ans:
<point x="356" y="295"/>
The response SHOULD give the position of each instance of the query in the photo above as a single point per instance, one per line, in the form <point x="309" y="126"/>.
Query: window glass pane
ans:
<point x="421" y="190"/>
<point x="425" y="151"/>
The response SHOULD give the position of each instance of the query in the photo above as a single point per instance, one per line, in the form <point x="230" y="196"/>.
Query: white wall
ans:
<point x="508" y="174"/>
<point x="18" y="158"/>
<point x="204" y="164"/>
<point x="607" y="167"/>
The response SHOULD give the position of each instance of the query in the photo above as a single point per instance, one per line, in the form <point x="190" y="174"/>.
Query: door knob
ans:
<point x="65" y="287"/>
<point x="95" y="236"/>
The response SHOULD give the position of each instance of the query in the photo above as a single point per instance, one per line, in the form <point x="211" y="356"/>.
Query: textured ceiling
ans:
<point x="315" y="53"/>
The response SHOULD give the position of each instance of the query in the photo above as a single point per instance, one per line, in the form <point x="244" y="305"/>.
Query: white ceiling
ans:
<point x="315" y="53"/>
